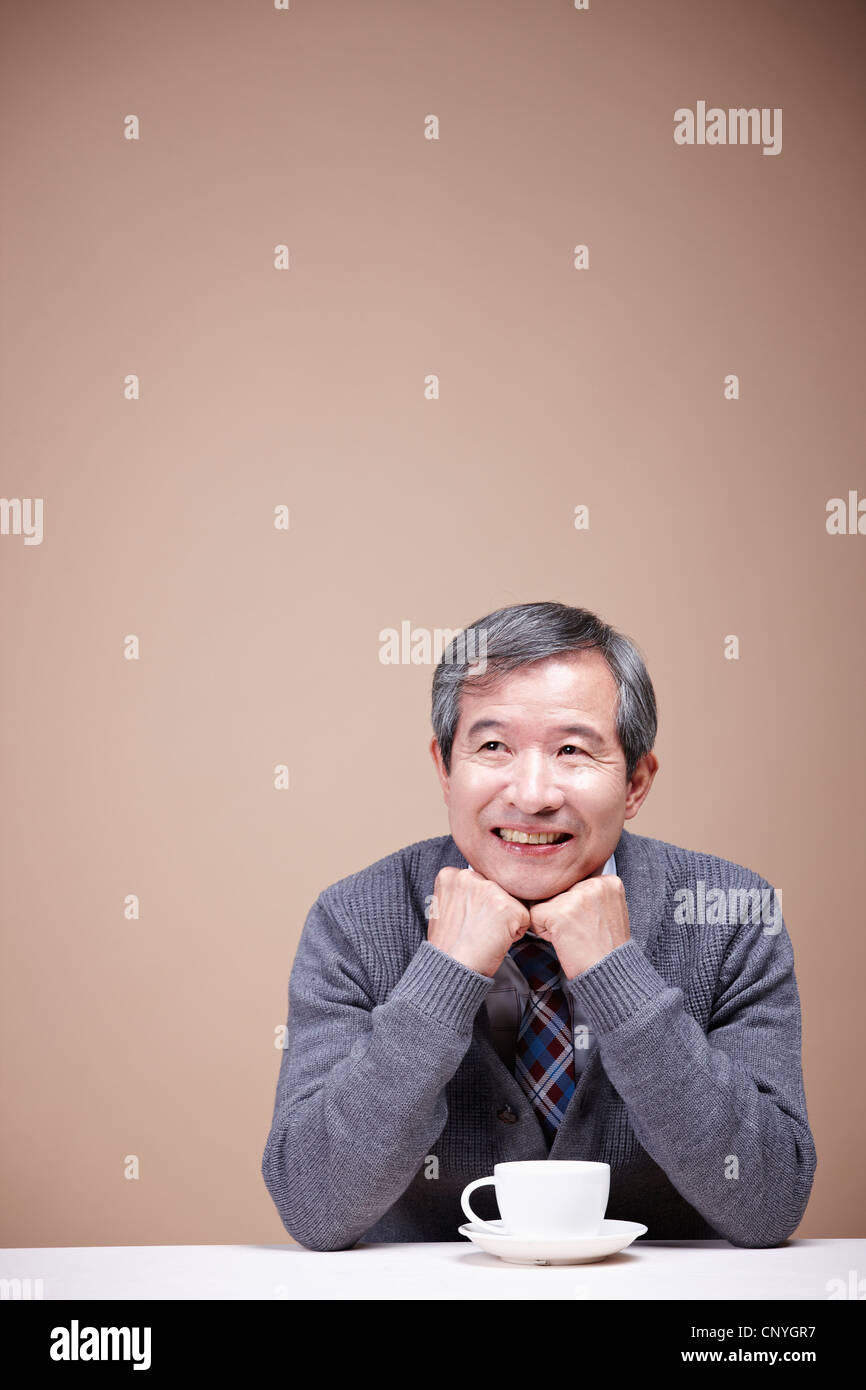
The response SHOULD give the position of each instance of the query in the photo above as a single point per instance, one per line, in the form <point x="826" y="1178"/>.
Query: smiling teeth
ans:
<point x="519" y="837"/>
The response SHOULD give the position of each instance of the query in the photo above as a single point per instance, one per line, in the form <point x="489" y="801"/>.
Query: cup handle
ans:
<point x="464" y="1202"/>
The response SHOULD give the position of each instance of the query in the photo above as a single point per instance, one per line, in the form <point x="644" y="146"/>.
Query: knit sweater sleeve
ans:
<point x="722" y="1112"/>
<point x="359" y="1099"/>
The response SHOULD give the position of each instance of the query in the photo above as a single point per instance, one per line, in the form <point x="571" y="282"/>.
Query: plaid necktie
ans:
<point x="544" y="1058"/>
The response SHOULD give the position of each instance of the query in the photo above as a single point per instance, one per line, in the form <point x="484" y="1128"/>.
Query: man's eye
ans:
<point x="566" y="747"/>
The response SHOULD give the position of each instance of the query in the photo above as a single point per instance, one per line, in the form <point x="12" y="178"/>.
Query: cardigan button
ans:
<point x="507" y="1116"/>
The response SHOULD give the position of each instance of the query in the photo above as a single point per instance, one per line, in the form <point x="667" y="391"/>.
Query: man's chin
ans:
<point x="534" y="886"/>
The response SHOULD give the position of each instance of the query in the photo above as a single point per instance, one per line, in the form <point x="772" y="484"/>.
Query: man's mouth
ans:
<point x="526" y="837"/>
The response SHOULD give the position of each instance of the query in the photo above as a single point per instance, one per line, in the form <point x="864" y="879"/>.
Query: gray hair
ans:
<point x="528" y="632"/>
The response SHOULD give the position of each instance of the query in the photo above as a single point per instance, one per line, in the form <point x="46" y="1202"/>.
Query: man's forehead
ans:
<point x="570" y="699"/>
<point x="577" y="678"/>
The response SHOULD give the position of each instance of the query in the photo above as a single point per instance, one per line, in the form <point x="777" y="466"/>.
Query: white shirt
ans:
<point x="507" y="999"/>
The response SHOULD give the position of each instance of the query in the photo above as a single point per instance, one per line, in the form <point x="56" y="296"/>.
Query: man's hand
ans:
<point x="474" y="920"/>
<point x="585" y="923"/>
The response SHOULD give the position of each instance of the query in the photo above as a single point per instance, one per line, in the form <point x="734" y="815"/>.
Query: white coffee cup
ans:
<point x="546" y="1197"/>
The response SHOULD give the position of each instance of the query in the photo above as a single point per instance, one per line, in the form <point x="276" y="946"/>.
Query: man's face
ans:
<point x="539" y="752"/>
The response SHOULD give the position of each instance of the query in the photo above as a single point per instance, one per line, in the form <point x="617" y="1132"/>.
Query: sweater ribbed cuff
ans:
<point x="616" y="986"/>
<point x="441" y="987"/>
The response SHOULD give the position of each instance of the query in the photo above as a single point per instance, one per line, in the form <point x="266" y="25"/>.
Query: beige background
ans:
<point x="260" y="387"/>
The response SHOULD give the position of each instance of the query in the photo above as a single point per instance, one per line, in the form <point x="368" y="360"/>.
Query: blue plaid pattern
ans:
<point x="544" y="1059"/>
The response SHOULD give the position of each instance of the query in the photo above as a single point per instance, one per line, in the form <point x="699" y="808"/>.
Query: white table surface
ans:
<point x="666" y="1269"/>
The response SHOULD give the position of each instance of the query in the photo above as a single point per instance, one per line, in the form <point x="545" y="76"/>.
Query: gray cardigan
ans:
<point x="391" y="1096"/>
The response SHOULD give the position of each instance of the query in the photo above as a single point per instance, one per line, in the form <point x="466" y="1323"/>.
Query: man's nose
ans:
<point x="534" y="786"/>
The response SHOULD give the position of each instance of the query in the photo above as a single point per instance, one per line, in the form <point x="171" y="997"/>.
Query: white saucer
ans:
<point x="554" y="1250"/>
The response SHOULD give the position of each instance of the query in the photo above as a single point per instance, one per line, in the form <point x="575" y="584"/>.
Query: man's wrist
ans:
<point x="441" y="987"/>
<point x="616" y="987"/>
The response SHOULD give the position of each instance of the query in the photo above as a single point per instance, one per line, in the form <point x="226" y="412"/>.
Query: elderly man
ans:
<point x="540" y="982"/>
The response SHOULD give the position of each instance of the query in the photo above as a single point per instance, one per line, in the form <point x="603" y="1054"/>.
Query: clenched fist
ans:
<point x="474" y="920"/>
<point x="585" y="923"/>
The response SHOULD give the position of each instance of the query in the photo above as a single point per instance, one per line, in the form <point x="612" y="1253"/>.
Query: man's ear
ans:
<point x="441" y="771"/>
<point x="638" y="787"/>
